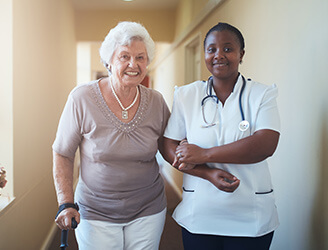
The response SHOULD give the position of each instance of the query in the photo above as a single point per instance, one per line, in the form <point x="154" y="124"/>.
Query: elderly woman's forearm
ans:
<point x="63" y="168"/>
<point x="168" y="151"/>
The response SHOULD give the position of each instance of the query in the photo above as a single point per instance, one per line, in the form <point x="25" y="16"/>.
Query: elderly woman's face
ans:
<point x="129" y="63"/>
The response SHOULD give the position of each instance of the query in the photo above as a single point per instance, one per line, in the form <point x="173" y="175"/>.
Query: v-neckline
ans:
<point x="109" y="114"/>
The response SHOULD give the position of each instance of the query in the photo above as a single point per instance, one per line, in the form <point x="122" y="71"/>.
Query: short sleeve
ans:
<point x="176" y="127"/>
<point x="166" y="116"/>
<point x="69" y="134"/>
<point x="268" y="115"/>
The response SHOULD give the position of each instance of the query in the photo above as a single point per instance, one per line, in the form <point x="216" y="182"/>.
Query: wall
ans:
<point x="186" y="12"/>
<point x="43" y="73"/>
<point x="286" y="44"/>
<point x="96" y="64"/>
<point x="89" y="65"/>
<point x="158" y="23"/>
<point x="83" y="71"/>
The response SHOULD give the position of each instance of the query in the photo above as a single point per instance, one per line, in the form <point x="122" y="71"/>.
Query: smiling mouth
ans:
<point x="132" y="73"/>
<point x="220" y="64"/>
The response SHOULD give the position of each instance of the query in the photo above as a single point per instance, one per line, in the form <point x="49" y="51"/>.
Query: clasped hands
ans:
<point x="187" y="156"/>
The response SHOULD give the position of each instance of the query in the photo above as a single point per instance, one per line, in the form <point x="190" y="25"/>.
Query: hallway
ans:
<point x="171" y="238"/>
<point x="286" y="45"/>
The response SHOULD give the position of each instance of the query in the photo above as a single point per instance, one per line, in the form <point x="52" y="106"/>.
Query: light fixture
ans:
<point x="127" y="0"/>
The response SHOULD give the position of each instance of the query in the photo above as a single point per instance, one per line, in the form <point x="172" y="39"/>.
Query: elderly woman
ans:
<point x="118" y="126"/>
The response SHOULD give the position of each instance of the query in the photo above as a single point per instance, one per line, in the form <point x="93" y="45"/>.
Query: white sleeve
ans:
<point x="268" y="115"/>
<point x="176" y="127"/>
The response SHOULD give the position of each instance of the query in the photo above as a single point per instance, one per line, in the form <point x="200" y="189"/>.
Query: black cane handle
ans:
<point x="64" y="235"/>
<point x="74" y="223"/>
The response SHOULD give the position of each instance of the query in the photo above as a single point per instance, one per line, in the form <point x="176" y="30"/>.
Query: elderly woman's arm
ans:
<point x="63" y="168"/>
<point x="219" y="178"/>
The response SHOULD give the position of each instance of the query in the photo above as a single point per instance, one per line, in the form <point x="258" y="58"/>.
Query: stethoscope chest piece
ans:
<point x="243" y="125"/>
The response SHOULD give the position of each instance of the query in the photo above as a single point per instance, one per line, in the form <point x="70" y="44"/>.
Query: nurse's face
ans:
<point x="223" y="54"/>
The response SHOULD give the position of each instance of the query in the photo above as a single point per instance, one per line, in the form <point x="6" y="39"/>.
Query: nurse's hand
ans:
<point x="191" y="154"/>
<point x="222" y="179"/>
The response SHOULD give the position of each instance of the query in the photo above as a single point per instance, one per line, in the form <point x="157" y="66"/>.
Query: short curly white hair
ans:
<point x="123" y="34"/>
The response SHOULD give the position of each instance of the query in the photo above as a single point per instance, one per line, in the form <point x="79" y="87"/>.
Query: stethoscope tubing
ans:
<point x="243" y="125"/>
<point x="240" y="96"/>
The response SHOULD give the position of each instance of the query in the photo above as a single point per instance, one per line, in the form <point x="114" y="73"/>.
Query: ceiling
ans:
<point x="120" y="4"/>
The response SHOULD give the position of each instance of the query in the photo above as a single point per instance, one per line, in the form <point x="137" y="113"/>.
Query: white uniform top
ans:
<point x="250" y="210"/>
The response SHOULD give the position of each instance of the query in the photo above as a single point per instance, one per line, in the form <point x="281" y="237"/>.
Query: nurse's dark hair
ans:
<point x="226" y="26"/>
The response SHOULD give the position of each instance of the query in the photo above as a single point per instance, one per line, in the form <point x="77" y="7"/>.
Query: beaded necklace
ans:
<point x="125" y="114"/>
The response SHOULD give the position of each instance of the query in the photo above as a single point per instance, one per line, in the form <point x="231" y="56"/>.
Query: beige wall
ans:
<point x="43" y="72"/>
<point x="286" y="44"/>
<point x="158" y="23"/>
<point x="186" y="12"/>
<point x="96" y="64"/>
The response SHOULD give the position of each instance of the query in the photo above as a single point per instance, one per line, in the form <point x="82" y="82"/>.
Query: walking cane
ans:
<point x="64" y="235"/>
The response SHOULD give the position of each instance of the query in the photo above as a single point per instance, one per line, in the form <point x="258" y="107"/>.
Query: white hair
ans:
<point x="123" y="34"/>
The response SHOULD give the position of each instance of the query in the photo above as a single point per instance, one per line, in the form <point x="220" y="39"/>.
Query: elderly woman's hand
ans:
<point x="64" y="219"/>
<point x="182" y="166"/>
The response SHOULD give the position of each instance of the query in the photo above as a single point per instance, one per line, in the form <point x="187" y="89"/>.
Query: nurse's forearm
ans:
<point x="252" y="149"/>
<point x="63" y="178"/>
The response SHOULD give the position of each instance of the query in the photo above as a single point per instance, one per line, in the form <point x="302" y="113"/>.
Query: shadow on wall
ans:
<point x="319" y="237"/>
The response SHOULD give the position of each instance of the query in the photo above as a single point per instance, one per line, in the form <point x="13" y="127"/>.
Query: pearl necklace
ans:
<point x="125" y="114"/>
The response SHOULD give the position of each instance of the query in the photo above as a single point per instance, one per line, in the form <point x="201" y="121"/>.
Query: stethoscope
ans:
<point x="243" y="125"/>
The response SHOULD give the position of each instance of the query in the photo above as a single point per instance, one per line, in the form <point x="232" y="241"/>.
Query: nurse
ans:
<point x="231" y="124"/>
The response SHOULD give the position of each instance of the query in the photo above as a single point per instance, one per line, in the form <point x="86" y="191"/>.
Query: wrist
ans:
<point x="203" y="171"/>
<point x="65" y="206"/>
<point x="65" y="195"/>
<point x="206" y="155"/>
<point x="207" y="174"/>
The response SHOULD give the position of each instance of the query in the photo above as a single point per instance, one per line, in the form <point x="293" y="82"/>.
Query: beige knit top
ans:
<point x="119" y="175"/>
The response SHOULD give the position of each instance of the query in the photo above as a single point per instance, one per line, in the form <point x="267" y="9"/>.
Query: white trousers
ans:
<point x="141" y="234"/>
